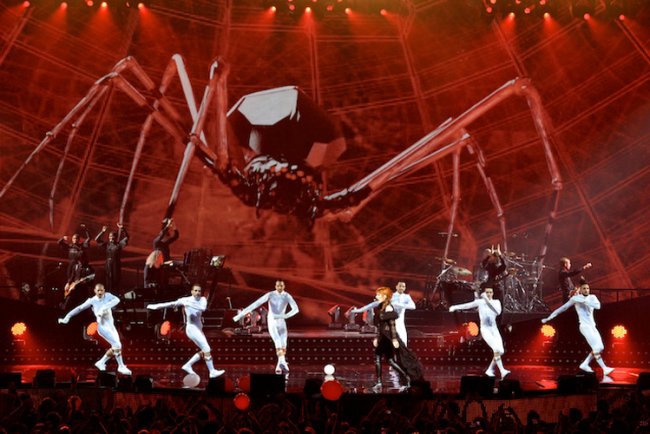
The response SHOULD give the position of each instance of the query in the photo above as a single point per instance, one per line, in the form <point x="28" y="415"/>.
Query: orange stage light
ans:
<point x="18" y="329"/>
<point x="548" y="330"/>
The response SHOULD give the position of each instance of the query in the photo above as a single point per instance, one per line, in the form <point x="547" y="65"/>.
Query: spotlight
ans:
<point x="582" y="8"/>
<point x="18" y="329"/>
<point x="335" y="315"/>
<point x="619" y="331"/>
<point x="472" y="329"/>
<point x="26" y="4"/>
<point x="351" y="325"/>
<point x="369" y="322"/>
<point x="308" y="10"/>
<point x="329" y="369"/>
<point x="241" y="401"/>
<point x="104" y="5"/>
<point x="218" y="262"/>
<point x="548" y="331"/>
<point x="90" y="332"/>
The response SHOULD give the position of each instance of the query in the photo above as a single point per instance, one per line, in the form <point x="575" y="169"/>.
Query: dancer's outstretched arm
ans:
<point x="572" y="301"/>
<point x="257" y="303"/>
<point x="83" y="306"/>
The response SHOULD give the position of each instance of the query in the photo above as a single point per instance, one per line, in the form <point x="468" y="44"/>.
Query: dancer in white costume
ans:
<point x="278" y="301"/>
<point x="401" y="302"/>
<point x="488" y="310"/>
<point x="193" y="308"/>
<point x="101" y="304"/>
<point x="585" y="304"/>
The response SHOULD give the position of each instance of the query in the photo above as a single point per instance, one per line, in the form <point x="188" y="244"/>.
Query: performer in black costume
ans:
<point x="495" y="268"/>
<point x="388" y="345"/>
<point x="116" y="242"/>
<point x="153" y="274"/>
<point x="564" y="277"/>
<point x="76" y="250"/>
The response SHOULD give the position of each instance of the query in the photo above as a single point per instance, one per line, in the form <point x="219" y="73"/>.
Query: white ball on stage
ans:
<point x="191" y="380"/>
<point x="329" y="369"/>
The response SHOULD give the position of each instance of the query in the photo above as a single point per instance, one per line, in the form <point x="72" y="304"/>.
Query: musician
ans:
<point x="494" y="267"/>
<point x="101" y="304"/>
<point x="278" y="301"/>
<point x="585" y="303"/>
<point x="193" y="308"/>
<point x="76" y="251"/>
<point x="565" y="274"/>
<point x="153" y="274"/>
<point x="488" y="310"/>
<point x="116" y="242"/>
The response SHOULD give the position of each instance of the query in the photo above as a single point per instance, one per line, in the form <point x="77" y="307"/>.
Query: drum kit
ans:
<point x="521" y="284"/>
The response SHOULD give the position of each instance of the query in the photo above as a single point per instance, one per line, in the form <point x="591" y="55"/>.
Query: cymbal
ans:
<point x="461" y="271"/>
<point x="445" y="260"/>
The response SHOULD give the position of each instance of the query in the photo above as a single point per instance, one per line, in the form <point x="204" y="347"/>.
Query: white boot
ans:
<point x="490" y="370"/>
<point x="585" y="365"/>
<point x="282" y="363"/>
<point x="187" y="367"/>
<point x="503" y="370"/>
<point x="606" y="369"/>
<point x="121" y="367"/>
<point x="214" y="373"/>
<point x="101" y="363"/>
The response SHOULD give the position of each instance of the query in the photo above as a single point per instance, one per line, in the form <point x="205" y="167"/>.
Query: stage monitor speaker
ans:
<point x="216" y="386"/>
<point x="576" y="384"/>
<point x="509" y="389"/>
<point x="143" y="383"/>
<point x="10" y="379"/>
<point x="421" y="389"/>
<point x="125" y="383"/>
<point x="44" y="378"/>
<point x="476" y="385"/>
<point x="643" y="382"/>
<point x="266" y="385"/>
<point x="106" y="379"/>
<point x="312" y="387"/>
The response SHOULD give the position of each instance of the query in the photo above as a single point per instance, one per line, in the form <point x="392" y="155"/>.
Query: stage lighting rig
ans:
<point x="580" y="8"/>
<point x="351" y="325"/>
<point x="334" y="313"/>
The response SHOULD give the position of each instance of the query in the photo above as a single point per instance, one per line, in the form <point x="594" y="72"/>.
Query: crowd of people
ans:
<point x="63" y="412"/>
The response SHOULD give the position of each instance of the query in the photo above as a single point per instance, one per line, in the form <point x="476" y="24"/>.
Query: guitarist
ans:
<point x="76" y="251"/>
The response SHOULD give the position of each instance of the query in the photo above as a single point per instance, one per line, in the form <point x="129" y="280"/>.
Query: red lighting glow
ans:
<point x="18" y="329"/>
<point x="241" y="401"/>
<point x="91" y="329"/>
<point x="308" y="10"/>
<point x="493" y="2"/>
<point x="542" y="2"/>
<point x="140" y="5"/>
<point x="165" y="328"/>
<point x="383" y="12"/>
<point x="586" y="16"/>
<point x="26" y="4"/>
<point x="527" y="10"/>
<point x="488" y="9"/>
<point x="348" y="10"/>
<point x="330" y="8"/>
<point x="548" y="331"/>
<point x="511" y="15"/>
<point x="292" y="7"/>
<point x="621" y="17"/>
<point x="64" y="5"/>
<point x="472" y="328"/>
<point x="90" y="3"/>
<point x="104" y="4"/>
<point x="273" y="9"/>
<point x="547" y="16"/>
<point x="619" y="331"/>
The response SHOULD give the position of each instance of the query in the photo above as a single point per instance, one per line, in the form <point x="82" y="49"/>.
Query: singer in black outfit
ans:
<point x="116" y="242"/>
<point x="388" y="344"/>
<point x="564" y="277"/>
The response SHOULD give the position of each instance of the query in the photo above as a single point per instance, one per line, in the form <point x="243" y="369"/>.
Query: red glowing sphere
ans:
<point x="241" y="401"/>
<point x="331" y="390"/>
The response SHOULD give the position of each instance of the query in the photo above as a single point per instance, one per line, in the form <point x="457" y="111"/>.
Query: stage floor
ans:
<point x="354" y="378"/>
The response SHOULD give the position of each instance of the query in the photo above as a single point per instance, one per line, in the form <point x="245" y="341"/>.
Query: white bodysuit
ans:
<point x="278" y="302"/>
<point x="401" y="303"/>
<point x="489" y="330"/>
<point x="193" y="309"/>
<point x="585" y="306"/>
<point x="102" y="309"/>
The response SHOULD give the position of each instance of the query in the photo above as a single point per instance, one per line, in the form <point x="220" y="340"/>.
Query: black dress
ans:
<point x="403" y="357"/>
<point x="77" y="258"/>
<point x="113" y="266"/>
